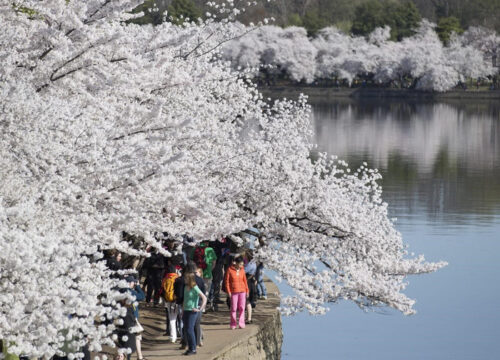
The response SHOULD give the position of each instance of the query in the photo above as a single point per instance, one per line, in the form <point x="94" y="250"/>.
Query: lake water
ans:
<point x="441" y="168"/>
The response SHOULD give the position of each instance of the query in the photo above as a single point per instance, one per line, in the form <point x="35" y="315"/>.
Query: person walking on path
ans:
<point x="210" y="260"/>
<point x="261" y="287"/>
<point x="221" y="250"/>
<point x="126" y="338"/>
<point x="237" y="289"/>
<point x="197" y="328"/>
<point x="171" y="306"/>
<point x="113" y="262"/>
<point x="250" y="270"/>
<point x="136" y="291"/>
<point x="179" y="300"/>
<point x="192" y="294"/>
<point x="155" y="267"/>
<point x="191" y="268"/>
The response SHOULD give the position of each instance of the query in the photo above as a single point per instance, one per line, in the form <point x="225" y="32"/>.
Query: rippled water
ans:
<point x="441" y="176"/>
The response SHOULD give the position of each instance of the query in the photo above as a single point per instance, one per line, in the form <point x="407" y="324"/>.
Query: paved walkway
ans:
<point x="218" y="337"/>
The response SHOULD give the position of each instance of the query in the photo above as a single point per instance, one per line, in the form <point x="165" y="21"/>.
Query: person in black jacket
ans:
<point x="179" y="299"/>
<point x="197" y="326"/>
<point x="221" y="249"/>
<point x="126" y="339"/>
<point x="155" y="268"/>
<point x="113" y="262"/>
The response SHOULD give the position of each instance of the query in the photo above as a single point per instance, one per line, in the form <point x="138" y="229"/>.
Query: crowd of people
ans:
<point x="188" y="283"/>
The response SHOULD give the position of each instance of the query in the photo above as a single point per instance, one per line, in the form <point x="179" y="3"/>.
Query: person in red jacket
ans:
<point x="237" y="289"/>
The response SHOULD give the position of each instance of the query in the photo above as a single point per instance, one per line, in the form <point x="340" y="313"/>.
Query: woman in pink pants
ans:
<point x="237" y="288"/>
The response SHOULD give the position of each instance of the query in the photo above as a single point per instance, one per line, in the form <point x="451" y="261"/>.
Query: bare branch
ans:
<point x="140" y="132"/>
<point x="225" y="41"/>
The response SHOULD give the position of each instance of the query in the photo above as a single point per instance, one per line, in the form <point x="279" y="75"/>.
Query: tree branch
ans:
<point x="151" y="174"/>
<point x="225" y="41"/>
<point x="139" y="132"/>
<point x="294" y="221"/>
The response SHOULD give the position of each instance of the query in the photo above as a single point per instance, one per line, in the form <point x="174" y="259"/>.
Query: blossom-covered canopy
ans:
<point x="334" y="54"/>
<point x="107" y="126"/>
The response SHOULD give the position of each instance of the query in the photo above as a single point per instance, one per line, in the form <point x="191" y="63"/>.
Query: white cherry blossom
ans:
<point x="108" y="126"/>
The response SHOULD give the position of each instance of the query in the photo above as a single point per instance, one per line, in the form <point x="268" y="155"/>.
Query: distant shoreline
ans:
<point x="293" y="91"/>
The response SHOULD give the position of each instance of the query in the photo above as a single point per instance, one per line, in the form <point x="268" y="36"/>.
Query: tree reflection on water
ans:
<point x="442" y="159"/>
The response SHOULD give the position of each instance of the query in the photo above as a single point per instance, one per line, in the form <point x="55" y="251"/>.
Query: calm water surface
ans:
<point x="441" y="168"/>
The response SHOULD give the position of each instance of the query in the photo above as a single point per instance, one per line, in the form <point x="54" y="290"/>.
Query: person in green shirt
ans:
<point x="205" y="258"/>
<point x="192" y="294"/>
<point x="210" y="259"/>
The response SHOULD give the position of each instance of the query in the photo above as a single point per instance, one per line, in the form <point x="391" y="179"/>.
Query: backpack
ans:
<point x="168" y="287"/>
<point x="199" y="257"/>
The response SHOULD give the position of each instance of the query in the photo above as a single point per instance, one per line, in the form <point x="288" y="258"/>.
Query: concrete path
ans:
<point x="218" y="337"/>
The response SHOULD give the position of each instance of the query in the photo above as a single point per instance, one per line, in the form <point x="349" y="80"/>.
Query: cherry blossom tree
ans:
<point x="422" y="57"/>
<point x="342" y="55"/>
<point x="102" y="122"/>
<point x="485" y="40"/>
<point x="108" y="126"/>
<point x="287" y="50"/>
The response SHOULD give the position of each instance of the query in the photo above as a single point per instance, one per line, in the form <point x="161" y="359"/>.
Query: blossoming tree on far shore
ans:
<point x="333" y="54"/>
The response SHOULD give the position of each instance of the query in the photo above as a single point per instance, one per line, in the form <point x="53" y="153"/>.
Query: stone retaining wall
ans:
<point x="265" y="342"/>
